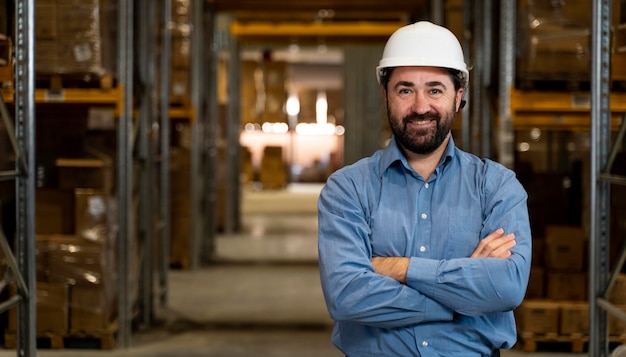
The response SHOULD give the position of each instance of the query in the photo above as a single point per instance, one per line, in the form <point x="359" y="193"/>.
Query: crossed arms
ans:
<point x="495" y="245"/>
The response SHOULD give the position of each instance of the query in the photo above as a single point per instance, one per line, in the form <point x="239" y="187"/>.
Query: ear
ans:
<point x="460" y="102"/>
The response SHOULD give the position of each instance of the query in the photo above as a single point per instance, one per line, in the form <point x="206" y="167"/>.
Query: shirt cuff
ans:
<point x="422" y="275"/>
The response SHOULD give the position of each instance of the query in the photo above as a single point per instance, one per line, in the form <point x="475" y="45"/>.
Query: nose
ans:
<point x="421" y="105"/>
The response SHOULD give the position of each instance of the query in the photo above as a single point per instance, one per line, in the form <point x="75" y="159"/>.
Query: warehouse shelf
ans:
<point x="271" y="31"/>
<point x="23" y="264"/>
<point x="559" y="110"/>
<point x="72" y="95"/>
<point x="184" y="112"/>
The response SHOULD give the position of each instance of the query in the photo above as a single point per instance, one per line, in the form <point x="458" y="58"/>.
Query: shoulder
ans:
<point x="352" y="182"/>
<point x="362" y="170"/>
<point x="484" y="166"/>
<point x="491" y="175"/>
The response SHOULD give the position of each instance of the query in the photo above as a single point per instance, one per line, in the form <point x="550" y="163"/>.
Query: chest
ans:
<point x="433" y="220"/>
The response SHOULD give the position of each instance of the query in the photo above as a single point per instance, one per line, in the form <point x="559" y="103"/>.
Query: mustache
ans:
<point x="426" y="116"/>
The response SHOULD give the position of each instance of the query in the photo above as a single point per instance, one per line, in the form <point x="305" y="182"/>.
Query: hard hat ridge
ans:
<point x="424" y="44"/>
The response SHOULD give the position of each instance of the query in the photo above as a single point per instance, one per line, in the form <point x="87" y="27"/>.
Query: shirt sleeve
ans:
<point x="479" y="286"/>
<point x="352" y="289"/>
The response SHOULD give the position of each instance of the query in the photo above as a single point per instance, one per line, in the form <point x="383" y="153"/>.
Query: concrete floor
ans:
<point x="261" y="298"/>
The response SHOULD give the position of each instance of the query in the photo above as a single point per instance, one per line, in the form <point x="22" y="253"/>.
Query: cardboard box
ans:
<point x="565" y="248"/>
<point x="181" y="46"/>
<point x="6" y="59"/>
<point x="538" y="316"/>
<point x="558" y="53"/>
<point x="617" y="326"/>
<point x="574" y="318"/>
<point x="68" y="37"/>
<point x="54" y="210"/>
<point x="77" y="261"/>
<point x="92" y="215"/>
<point x="52" y="308"/>
<point x="536" y="284"/>
<point x="618" y="293"/>
<point x="91" y="308"/>
<point x="95" y="173"/>
<point x="567" y="286"/>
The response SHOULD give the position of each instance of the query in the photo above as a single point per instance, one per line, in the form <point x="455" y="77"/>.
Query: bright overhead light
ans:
<point x="293" y="105"/>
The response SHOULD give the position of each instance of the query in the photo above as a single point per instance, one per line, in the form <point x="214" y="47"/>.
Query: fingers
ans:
<point x="503" y="250"/>
<point x="496" y="245"/>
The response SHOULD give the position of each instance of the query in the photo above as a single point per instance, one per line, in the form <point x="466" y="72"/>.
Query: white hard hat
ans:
<point x="424" y="44"/>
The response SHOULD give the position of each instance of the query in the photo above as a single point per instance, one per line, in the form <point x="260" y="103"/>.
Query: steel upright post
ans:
<point x="25" y="181"/>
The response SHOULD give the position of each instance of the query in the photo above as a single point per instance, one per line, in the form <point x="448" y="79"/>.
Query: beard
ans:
<point x="421" y="141"/>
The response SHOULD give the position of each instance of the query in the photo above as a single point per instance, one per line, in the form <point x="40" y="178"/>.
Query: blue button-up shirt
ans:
<point x="451" y="305"/>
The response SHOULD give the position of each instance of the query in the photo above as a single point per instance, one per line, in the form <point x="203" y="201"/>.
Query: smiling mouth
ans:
<point x="421" y="122"/>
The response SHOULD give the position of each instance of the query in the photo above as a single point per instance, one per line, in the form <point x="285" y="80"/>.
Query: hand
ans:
<point x="393" y="267"/>
<point x="495" y="245"/>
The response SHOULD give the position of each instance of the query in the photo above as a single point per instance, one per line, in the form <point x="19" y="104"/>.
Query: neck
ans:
<point x="425" y="164"/>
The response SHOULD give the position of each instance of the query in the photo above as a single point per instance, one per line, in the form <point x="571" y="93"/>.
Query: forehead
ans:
<point x="421" y="74"/>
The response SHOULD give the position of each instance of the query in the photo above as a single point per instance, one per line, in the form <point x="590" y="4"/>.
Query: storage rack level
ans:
<point x="73" y="95"/>
<point x="559" y="110"/>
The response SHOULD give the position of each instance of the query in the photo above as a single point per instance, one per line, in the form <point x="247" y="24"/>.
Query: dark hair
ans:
<point x="455" y="75"/>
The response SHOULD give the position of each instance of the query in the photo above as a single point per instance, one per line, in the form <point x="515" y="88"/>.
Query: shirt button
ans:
<point x="422" y="249"/>
<point x="424" y="343"/>
<point x="424" y="216"/>
<point x="426" y="185"/>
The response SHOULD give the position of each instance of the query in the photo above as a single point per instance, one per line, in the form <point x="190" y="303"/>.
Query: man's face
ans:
<point x="421" y="106"/>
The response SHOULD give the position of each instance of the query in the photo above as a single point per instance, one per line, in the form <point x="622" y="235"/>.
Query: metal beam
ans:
<point x="600" y="143"/>
<point x="124" y="171"/>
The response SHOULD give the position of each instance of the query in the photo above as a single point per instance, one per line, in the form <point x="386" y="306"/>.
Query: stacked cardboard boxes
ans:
<point x="273" y="171"/>
<point x="180" y="207"/>
<point x="70" y="37"/>
<point x="556" y="303"/>
<point x="76" y="272"/>
<point x="76" y="232"/>
<point x="180" y="81"/>
<point x="263" y="91"/>
<point x="554" y="39"/>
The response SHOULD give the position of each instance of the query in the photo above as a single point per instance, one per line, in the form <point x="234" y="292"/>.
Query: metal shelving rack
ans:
<point x="601" y="277"/>
<point x="143" y="148"/>
<point x="603" y="115"/>
<point x="125" y="169"/>
<point x="164" y="115"/>
<point x="21" y="261"/>
<point x="145" y="129"/>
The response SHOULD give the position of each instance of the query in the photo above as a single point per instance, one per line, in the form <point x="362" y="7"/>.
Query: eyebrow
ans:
<point x="428" y="84"/>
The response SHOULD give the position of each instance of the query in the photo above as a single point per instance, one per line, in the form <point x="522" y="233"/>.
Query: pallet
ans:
<point x="574" y="343"/>
<point x="59" y="81"/>
<point x="531" y="341"/>
<point x="102" y="339"/>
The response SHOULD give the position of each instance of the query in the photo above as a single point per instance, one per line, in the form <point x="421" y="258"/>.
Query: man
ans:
<point x="424" y="250"/>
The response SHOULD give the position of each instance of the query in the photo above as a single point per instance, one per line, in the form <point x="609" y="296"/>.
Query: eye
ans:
<point x="404" y="90"/>
<point x="436" y="91"/>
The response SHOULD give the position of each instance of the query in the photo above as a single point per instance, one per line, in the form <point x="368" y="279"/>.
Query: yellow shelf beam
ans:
<point x="72" y="95"/>
<point x="559" y="110"/>
<point x="314" y="29"/>
<point x="184" y="112"/>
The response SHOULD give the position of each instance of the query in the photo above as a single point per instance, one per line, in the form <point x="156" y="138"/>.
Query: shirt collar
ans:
<point x="392" y="154"/>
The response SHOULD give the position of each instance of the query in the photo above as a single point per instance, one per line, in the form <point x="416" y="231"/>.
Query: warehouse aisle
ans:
<point x="261" y="298"/>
